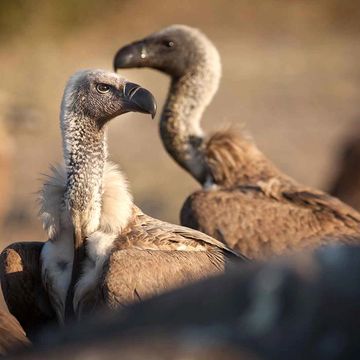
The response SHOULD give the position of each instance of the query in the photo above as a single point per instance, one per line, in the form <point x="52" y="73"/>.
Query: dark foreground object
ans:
<point x="303" y="307"/>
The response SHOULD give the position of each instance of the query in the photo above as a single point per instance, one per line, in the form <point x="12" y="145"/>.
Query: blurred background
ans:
<point x="291" y="78"/>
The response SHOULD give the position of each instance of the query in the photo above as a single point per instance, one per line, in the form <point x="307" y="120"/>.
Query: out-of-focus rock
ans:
<point x="303" y="307"/>
<point x="149" y="346"/>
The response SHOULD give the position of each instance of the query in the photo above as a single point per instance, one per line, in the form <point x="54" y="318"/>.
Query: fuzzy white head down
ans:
<point x="116" y="206"/>
<point x="57" y="253"/>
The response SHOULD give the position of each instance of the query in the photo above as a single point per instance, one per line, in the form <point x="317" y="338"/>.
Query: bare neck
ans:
<point x="180" y="128"/>
<point x="85" y="154"/>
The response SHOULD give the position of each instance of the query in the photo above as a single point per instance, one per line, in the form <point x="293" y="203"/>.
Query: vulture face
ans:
<point x="173" y="50"/>
<point x="100" y="95"/>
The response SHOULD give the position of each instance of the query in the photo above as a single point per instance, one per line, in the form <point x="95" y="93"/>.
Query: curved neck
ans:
<point x="180" y="128"/>
<point x="85" y="153"/>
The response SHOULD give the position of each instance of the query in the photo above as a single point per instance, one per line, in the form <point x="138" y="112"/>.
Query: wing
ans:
<point x="153" y="234"/>
<point x="325" y="203"/>
<point x="133" y="275"/>
<point x="22" y="286"/>
<point x="151" y="257"/>
<point x="260" y="221"/>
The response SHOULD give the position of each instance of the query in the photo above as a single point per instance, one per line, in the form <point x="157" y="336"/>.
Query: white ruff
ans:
<point x="57" y="253"/>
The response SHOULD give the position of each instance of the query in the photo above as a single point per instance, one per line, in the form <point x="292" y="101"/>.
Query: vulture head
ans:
<point x="96" y="96"/>
<point x="175" y="50"/>
<point x="193" y="63"/>
<point x="92" y="98"/>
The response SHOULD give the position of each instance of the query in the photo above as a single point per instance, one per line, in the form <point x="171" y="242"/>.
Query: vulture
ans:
<point x="12" y="335"/>
<point x="103" y="252"/>
<point x="245" y="200"/>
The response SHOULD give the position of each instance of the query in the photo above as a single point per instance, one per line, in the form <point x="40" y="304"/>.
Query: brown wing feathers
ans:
<point x="259" y="211"/>
<point x="234" y="159"/>
<point x="137" y="274"/>
<point x="152" y="257"/>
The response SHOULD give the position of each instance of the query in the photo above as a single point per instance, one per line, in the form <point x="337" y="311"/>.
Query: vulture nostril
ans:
<point x="133" y="91"/>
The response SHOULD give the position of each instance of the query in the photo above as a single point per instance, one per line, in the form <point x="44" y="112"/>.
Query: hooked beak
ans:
<point x="138" y="99"/>
<point x="130" y="56"/>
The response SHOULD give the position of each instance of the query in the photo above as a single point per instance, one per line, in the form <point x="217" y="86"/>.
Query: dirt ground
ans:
<point x="291" y="78"/>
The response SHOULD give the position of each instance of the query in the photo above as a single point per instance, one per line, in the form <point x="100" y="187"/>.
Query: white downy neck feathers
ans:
<point x="57" y="253"/>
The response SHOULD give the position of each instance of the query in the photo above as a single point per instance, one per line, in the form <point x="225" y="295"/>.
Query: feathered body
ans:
<point x="259" y="211"/>
<point x="245" y="201"/>
<point x="57" y="253"/>
<point x="129" y="257"/>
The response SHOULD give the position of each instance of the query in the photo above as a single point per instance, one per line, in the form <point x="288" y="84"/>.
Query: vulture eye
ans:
<point x="102" y="88"/>
<point x="169" y="43"/>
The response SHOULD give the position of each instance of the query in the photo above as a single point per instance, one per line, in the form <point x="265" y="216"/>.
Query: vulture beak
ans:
<point x="138" y="99"/>
<point x="130" y="56"/>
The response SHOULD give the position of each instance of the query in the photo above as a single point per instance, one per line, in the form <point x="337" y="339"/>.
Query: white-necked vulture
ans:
<point x="103" y="251"/>
<point x="245" y="201"/>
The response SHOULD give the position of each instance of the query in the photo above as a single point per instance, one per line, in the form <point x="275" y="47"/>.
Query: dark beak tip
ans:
<point x="121" y="62"/>
<point x="115" y="66"/>
<point x="121" y="59"/>
<point x="116" y="60"/>
<point x="142" y="100"/>
<point x="128" y="56"/>
<point x="152" y="108"/>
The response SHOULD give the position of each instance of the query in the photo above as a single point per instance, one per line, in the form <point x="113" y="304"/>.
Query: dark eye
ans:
<point x="102" y="88"/>
<point x="169" y="43"/>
